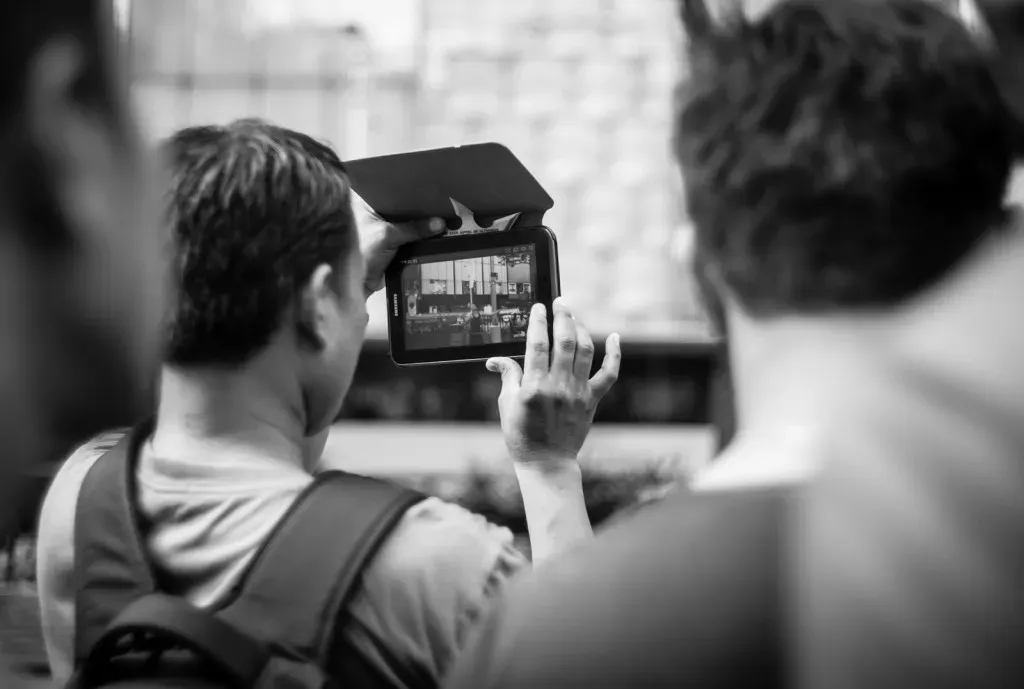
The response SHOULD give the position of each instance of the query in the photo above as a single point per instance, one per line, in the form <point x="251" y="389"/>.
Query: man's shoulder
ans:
<point x="757" y="463"/>
<point x="430" y="582"/>
<point x="659" y="539"/>
<point x="688" y="587"/>
<point x="62" y="495"/>
<point x="438" y="545"/>
<point x="85" y="455"/>
<point x="57" y="515"/>
<point x="55" y="548"/>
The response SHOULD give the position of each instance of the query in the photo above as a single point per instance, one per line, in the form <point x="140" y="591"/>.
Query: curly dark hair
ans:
<point x="254" y="209"/>
<point x="838" y="154"/>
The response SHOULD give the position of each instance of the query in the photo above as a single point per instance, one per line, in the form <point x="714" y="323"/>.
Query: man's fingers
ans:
<point x="564" y="331"/>
<point x="584" y="352"/>
<point x="511" y="374"/>
<point x="381" y="236"/>
<point x="380" y="240"/>
<point x="537" y="348"/>
<point x="397" y="234"/>
<point x="604" y="379"/>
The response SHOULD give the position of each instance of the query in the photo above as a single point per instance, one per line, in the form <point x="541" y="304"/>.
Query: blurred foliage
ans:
<point x="497" y="496"/>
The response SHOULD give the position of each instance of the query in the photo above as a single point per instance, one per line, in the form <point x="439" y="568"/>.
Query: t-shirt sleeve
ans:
<point x="428" y="587"/>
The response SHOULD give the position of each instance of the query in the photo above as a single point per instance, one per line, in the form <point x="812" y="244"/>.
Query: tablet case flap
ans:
<point x="487" y="178"/>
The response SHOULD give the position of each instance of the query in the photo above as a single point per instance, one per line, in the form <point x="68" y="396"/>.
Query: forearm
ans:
<point x="556" y="514"/>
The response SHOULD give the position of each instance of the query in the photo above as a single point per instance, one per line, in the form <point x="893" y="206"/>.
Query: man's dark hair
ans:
<point x="838" y="154"/>
<point x="254" y="209"/>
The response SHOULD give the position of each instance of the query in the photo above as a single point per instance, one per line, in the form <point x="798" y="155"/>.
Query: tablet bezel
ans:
<point x="547" y="287"/>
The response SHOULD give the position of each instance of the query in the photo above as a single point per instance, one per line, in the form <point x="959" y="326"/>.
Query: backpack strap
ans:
<point x="111" y="566"/>
<point x="158" y="624"/>
<point x="307" y="572"/>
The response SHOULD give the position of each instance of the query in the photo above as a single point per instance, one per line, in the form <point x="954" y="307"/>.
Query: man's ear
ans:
<point x="71" y="140"/>
<point x="312" y="313"/>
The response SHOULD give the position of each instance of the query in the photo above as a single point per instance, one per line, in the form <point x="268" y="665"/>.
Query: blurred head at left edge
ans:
<point x="81" y="277"/>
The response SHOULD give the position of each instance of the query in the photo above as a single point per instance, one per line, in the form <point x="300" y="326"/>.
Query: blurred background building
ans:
<point x="580" y="90"/>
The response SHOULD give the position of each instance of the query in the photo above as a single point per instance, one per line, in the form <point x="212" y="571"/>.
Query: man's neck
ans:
<point x="237" y="410"/>
<point x="965" y="332"/>
<point x="801" y="382"/>
<point x="970" y="330"/>
<point x="785" y="364"/>
<point x="784" y="378"/>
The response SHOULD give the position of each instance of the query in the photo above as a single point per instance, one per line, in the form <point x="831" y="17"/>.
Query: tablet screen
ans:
<point x="469" y="298"/>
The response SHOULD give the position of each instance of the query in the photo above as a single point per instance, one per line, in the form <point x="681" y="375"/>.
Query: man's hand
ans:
<point x="380" y="239"/>
<point x="547" y="407"/>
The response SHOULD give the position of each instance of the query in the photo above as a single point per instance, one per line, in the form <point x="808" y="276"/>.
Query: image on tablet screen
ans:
<point x="469" y="298"/>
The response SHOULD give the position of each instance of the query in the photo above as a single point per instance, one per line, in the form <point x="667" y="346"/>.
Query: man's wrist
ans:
<point x="545" y="462"/>
<point x="556" y="512"/>
<point x="560" y="473"/>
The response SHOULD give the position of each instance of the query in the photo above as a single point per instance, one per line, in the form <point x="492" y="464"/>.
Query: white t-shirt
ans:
<point x="420" y="594"/>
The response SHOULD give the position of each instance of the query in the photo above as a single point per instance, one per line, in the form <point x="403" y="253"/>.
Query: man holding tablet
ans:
<point x="263" y="340"/>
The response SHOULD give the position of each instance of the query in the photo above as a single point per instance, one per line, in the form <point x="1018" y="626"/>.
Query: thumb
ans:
<point x="510" y="372"/>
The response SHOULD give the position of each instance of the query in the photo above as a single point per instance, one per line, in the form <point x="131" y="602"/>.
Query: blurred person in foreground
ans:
<point x="845" y="165"/>
<point x="79" y="261"/>
<point x="80" y="301"/>
<point x="912" y="556"/>
<point x="262" y="344"/>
